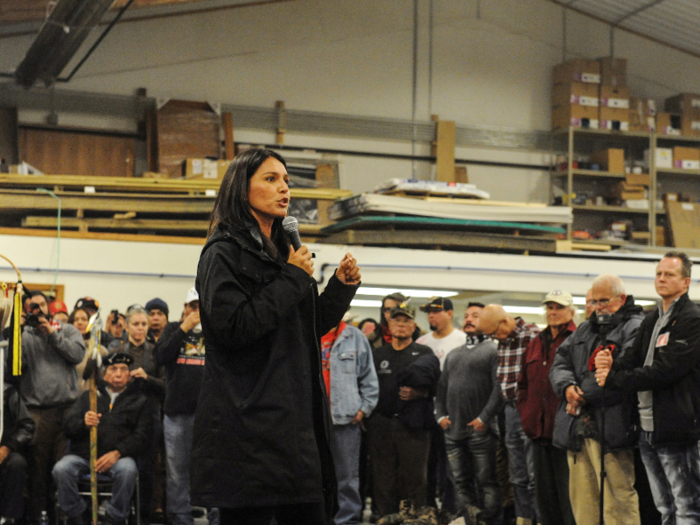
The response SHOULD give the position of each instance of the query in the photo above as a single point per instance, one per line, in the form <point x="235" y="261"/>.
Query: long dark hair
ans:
<point x="232" y="207"/>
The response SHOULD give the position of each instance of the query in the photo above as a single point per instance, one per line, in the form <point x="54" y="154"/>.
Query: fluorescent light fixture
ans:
<point x="580" y="300"/>
<point x="409" y="292"/>
<point x="534" y="310"/>
<point x="644" y="302"/>
<point x="365" y="303"/>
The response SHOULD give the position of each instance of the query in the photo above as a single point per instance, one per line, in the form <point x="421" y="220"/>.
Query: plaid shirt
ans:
<point x="510" y="351"/>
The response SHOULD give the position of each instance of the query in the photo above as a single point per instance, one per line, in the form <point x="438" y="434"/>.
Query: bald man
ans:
<point x="513" y="335"/>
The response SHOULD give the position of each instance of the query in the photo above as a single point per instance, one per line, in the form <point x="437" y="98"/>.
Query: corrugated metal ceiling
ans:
<point x="672" y="22"/>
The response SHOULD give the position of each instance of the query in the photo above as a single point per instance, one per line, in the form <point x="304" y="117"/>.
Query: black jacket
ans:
<point x="422" y="374"/>
<point x="18" y="425"/>
<point x="125" y="427"/>
<point x="570" y="367"/>
<point x="262" y="423"/>
<point x="673" y="377"/>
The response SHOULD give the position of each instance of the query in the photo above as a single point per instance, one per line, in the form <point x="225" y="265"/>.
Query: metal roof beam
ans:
<point x="636" y="12"/>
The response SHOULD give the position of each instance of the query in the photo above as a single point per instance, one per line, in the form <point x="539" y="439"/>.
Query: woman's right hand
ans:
<point x="302" y="259"/>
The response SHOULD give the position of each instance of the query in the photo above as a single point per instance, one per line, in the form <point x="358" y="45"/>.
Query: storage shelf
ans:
<point x="606" y="133"/>
<point x="678" y="171"/>
<point x="612" y="209"/>
<point x="591" y="173"/>
<point x="679" y="138"/>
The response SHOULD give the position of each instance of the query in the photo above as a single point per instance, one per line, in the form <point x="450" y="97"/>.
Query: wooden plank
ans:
<point x="227" y="123"/>
<point x="684" y="222"/>
<point x="17" y="200"/>
<point x="445" y="151"/>
<point x="364" y="222"/>
<point x="67" y="151"/>
<point x="130" y="237"/>
<point x="439" y="238"/>
<point x="116" y="224"/>
<point x="138" y="184"/>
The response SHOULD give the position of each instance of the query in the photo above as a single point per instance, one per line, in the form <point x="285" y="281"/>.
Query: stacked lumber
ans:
<point x="119" y="204"/>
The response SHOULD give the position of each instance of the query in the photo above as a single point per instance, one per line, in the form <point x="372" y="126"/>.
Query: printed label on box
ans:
<point x="695" y="102"/>
<point x="695" y="125"/>
<point x="589" y="78"/>
<point x="210" y="169"/>
<point x="197" y="166"/>
<point x="584" y="101"/>
<point x="687" y="164"/>
<point x="668" y="130"/>
<point x="623" y="103"/>
<point x="687" y="206"/>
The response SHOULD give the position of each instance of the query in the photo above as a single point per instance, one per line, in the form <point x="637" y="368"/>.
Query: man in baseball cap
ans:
<point x="181" y="350"/>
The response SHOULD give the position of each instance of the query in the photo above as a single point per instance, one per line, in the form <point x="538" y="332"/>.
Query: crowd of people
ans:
<point x="422" y="416"/>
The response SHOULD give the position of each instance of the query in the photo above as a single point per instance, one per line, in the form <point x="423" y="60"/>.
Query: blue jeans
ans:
<point x="345" y="448"/>
<point x="69" y="469"/>
<point x="474" y="459"/>
<point x="521" y="468"/>
<point x="178" y="449"/>
<point x="674" y="478"/>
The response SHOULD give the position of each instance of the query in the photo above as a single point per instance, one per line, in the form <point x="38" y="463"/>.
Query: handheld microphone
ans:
<point x="291" y="226"/>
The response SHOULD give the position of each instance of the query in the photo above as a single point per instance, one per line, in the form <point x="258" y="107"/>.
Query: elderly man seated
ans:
<point x="122" y="422"/>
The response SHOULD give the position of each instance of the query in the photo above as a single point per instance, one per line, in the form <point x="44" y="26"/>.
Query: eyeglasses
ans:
<point x="601" y="302"/>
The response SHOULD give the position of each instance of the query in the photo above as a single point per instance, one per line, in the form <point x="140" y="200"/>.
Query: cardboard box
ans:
<point x="663" y="159"/>
<point x="685" y="103"/>
<point x="612" y="160"/>
<point x="660" y="236"/>
<point x="638" y="179"/>
<point x="575" y="115"/>
<point x="641" y="116"/>
<point x="204" y="168"/>
<point x="577" y="70"/>
<point x="616" y="119"/>
<point x="575" y="93"/>
<point x="686" y="158"/>
<point x="614" y="97"/>
<point x="668" y="123"/>
<point x="613" y="71"/>
<point x="671" y="197"/>
<point x="624" y="191"/>
<point x="690" y="125"/>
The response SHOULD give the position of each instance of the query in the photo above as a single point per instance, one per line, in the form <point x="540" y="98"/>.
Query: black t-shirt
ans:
<point x="183" y="356"/>
<point x="389" y="363"/>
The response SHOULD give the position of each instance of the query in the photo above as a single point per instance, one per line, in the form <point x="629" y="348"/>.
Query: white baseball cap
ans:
<point x="560" y="297"/>
<point x="192" y="295"/>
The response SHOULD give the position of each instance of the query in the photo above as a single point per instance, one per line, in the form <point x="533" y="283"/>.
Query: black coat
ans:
<point x="421" y="374"/>
<point x="673" y="377"/>
<point x="18" y="425"/>
<point x="125" y="427"/>
<point x="262" y="423"/>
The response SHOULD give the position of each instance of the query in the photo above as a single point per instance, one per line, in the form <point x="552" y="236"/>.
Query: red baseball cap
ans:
<point x="58" y="306"/>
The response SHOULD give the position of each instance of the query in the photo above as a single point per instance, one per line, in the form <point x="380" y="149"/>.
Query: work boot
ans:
<point x="405" y="512"/>
<point x="423" y="516"/>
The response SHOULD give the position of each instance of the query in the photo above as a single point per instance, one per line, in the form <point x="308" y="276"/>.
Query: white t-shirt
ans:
<point x="442" y="347"/>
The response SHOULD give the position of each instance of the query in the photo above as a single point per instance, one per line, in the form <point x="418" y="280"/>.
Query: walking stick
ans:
<point x="90" y="373"/>
<point x="604" y="324"/>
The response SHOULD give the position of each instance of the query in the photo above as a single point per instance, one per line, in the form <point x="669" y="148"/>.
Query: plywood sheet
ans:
<point x="684" y="221"/>
<point x="186" y="130"/>
<point x="80" y="153"/>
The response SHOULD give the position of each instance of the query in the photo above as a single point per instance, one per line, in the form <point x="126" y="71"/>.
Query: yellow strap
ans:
<point x="17" y="336"/>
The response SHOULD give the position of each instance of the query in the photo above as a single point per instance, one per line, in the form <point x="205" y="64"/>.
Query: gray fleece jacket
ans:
<point x="469" y="388"/>
<point x="49" y="378"/>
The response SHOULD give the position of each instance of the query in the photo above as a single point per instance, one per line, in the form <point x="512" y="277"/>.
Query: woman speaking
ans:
<point x="260" y="444"/>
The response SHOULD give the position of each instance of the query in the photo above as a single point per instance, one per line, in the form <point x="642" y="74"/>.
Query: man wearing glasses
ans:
<point x="579" y="425"/>
<point x="663" y="369"/>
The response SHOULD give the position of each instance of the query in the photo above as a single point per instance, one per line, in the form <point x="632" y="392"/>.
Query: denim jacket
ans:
<point x="354" y="384"/>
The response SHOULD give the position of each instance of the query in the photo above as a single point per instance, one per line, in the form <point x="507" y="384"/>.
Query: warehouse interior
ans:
<point x="353" y="94"/>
